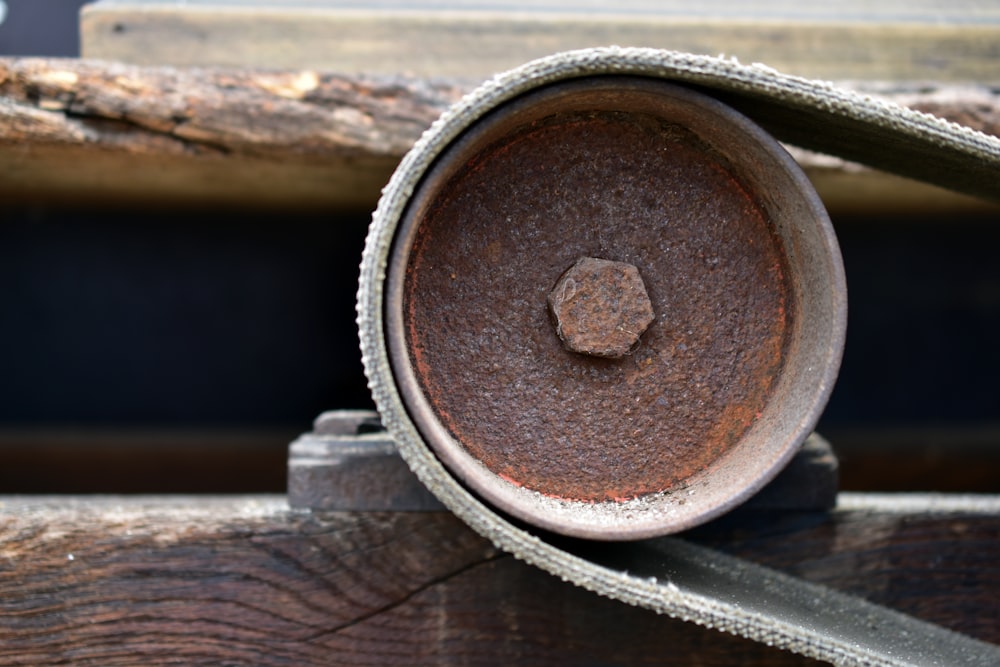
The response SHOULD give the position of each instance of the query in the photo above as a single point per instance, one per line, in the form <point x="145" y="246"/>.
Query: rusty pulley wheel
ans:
<point x="580" y="216"/>
<point x="614" y="306"/>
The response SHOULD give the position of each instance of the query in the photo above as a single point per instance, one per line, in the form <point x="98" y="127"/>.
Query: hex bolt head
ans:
<point x="600" y="307"/>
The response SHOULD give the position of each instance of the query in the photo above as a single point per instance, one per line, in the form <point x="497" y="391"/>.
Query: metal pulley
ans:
<point x="597" y="300"/>
<point x="615" y="306"/>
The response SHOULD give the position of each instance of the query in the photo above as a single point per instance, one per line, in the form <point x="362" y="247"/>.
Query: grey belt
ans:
<point x="670" y="575"/>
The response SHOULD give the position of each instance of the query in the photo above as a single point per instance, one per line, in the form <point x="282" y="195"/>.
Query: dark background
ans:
<point x="222" y="318"/>
<point x="199" y="320"/>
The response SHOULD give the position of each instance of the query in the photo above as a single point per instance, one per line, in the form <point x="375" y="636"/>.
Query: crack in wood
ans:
<point x="437" y="581"/>
<point x="249" y="581"/>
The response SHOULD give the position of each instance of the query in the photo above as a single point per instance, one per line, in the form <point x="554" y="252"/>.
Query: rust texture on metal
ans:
<point x="600" y="307"/>
<point x="500" y="230"/>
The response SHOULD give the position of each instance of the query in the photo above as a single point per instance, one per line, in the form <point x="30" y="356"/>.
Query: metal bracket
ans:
<point x="348" y="462"/>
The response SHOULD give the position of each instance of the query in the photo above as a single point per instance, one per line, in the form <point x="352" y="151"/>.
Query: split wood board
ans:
<point x="85" y="131"/>
<point x="247" y="581"/>
<point x="890" y="40"/>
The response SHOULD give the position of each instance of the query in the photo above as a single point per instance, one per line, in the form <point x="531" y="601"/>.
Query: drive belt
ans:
<point x="670" y="575"/>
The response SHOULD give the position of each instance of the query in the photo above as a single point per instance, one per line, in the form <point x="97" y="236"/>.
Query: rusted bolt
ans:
<point x="600" y="307"/>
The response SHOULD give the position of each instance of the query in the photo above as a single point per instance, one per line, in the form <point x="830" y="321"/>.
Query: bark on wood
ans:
<point x="95" y="130"/>
<point x="194" y="111"/>
<point x="92" y="130"/>
<point x="246" y="581"/>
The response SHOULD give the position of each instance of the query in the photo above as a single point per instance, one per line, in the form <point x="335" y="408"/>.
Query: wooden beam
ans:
<point x="852" y="39"/>
<point x="82" y="459"/>
<point x="82" y="131"/>
<point x="246" y="580"/>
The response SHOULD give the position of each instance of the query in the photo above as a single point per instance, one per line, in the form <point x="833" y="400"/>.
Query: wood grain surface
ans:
<point x="87" y="131"/>
<point x="891" y="40"/>
<point x="247" y="581"/>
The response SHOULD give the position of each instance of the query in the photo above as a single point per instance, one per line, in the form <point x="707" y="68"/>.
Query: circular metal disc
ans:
<point x="737" y="258"/>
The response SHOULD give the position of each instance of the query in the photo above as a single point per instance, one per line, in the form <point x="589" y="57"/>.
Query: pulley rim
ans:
<point x="723" y="482"/>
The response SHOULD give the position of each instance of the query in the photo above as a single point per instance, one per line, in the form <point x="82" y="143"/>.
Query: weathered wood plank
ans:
<point x="232" y="136"/>
<point x="892" y="40"/>
<point x="151" y="461"/>
<point x="924" y="457"/>
<point x="246" y="580"/>
<point x="300" y="139"/>
<point x="91" y="460"/>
